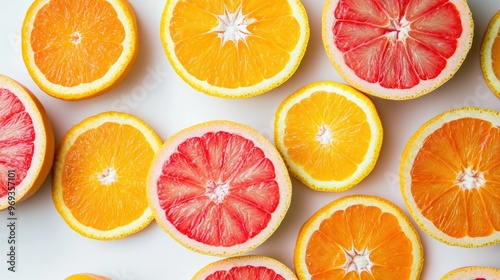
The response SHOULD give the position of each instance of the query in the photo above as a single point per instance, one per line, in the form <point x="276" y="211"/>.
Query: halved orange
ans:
<point x="490" y="54"/>
<point x="329" y="135"/>
<point x="99" y="179"/>
<point x="75" y="49"/>
<point x="473" y="273"/>
<point x="235" y="48"/>
<point x="358" y="237"/>
<point x="450" y="177"/>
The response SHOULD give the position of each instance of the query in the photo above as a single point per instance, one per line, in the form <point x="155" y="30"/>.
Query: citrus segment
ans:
<point x="473" y="272"/>
<point x="358" y="237"/>
<point x="329" y="134"/>
<point x="99" y="179"/>
<point x="397" y="49"/>
<point x="26" y="142"/>
<point x="449" y="177"/>
<point x="490" y="54"/>
<point x="219" y="188"/>
<point x="79" y="49"/>
<point x="234" y="48"/>
<point x="86" y="276"/>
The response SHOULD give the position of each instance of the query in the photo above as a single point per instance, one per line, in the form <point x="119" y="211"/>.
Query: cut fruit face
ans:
<point x="99" y="180"/>
<point x="397" y="49"/>
<point x="246" y="267"/>
<point x="473" y="273"/>
<point x="490" y="54"/>
<point x="79" y="49"/>
<point x="358" y="237"/>
<point x="329" y="134"/>
<point x="234" y="49"/>
<point x="219" y="188"/>
<point x="26" y="143"/>
<point x="450" y="177"/>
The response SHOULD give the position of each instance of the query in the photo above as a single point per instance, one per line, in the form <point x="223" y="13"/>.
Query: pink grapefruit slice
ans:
<point x="397" y="49"/>
<point x="26" y="143"/>
<point x="473" y="273"/>
<point x="219" y="188"/>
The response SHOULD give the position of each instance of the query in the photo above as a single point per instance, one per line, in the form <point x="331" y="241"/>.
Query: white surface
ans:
<point x="49" y="249"/>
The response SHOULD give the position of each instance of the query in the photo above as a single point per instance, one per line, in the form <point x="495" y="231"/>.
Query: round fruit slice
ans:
<point x="329" y="134"/>
<point x="86" y="276"/>
<point x="80" y="48"/>
<point x="234" y="49"/>
<point x="397" y="49"/>
<point x="358" y="237"/>
<point x="219" y="188"/>
<point x="99" y="179"/>
<point x="490" y="54"/>
<point x="246" y="267"/>
<point x="450" y="177"/>
<point x="473" y="273"/>
<point x="26" y="143"/>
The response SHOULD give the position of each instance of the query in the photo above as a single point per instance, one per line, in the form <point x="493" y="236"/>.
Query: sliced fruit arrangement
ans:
<point x="26" y="143"/>
<point x="329" y="134"/>
<point x="219" y="188"/>
<point x="80" y="48"/>
<point x="86" y="276"/>
<point x="397" y="49"/>
<point x="473" y="273"/>
<point x="490" y="54"/>
<point x="450" y="177"/>
<point x="99" y="179"/>
<point x="236" y="48"/>
<point x="244" y="268"/>
<point x="358" y="237"/>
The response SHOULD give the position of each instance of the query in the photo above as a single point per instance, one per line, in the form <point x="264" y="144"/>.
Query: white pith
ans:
<point x="107" y="176"/>
<point x="217" y="191"/>
<point x="75" y="38"/>
<point x="358" y="261"/>
<point x="399" y="29"/>
<point x="469" y="179"/>
<point x="324" y="135"/>
<point x="233" y="26"/>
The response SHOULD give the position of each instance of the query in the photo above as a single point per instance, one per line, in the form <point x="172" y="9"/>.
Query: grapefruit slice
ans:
<point x="397" y="49"/>
<point x="26" y="143"/>
<point x="450" y="177"/>
<point x="245" y="268"/>
<point x="219" y="188"/>
<point x="490" y="54"/>
<point x="473" y="273"/>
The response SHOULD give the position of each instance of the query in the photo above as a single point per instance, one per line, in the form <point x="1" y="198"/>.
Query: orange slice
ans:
<point x="26" y="143"/>
<point x="251" y="267"/>
<point x="219" y="188"/>
<point x="450" y="177"/>
<point x="329" y="134"/>
<point x="99" y="180"/>
<point x="490" y="54"/>
<point x="236" y="48"/>
<point x="86" y="276"/>
<point x="358" y="237"/>
<point x="80" y="48"/>
<point x="473" y="273"/>
<point x="397" y="49"/>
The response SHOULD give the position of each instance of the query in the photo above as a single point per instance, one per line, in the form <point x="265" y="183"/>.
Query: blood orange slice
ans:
<point x="473" y="273"/>
<point x="26" y="142"/>
<point x="219" y="188"/>
<point x="397" y="49"/>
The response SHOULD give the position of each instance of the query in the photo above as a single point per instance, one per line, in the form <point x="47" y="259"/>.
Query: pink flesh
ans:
<point x="245" y="273"/>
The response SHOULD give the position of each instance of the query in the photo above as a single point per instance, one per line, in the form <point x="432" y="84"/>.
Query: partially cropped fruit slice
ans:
<point x="86" y="276"/>
<point x="490" y="54"/>
<point x="329" y="134"/>
<point x="358" y="237"/>
<point x="473" y="273"/>
<point x="99" y="180"/>
<point x="450" y="177"/>
<point x="245" y="268"/>
<point x="236" y="48"/>
<point x="219" y="188"/>
<point x="26" y="143"/>
<point x="76" y="49"/>
<point x="397" y="49"/>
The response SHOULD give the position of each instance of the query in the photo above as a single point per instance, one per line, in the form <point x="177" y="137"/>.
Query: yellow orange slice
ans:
<point x="99" y="180"/>
<point x="86" y="276"/>
<point x="75" y="49"/>
<point x="490" y="54"/>
<point x="329" y="135"/>
<point x="450" y="177"/>
<point x="236" y="48"/>
<point x="473" y="273"/>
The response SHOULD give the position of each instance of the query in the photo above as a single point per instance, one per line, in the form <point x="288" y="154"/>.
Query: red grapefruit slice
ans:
<point x="473" y="273"/>
<point x="219" y="188"/>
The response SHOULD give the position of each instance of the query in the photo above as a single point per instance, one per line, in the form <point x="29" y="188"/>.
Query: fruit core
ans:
<point x="75" y="38"/>
<point x="469" y="179"/>
<point x="398" y="29"/>
<point x="232" y="26"/>
<point x="324" y="135"/>
<point x="357" y="261"/>
<point x="107" y="176"/>
<point x="217" y="192"/>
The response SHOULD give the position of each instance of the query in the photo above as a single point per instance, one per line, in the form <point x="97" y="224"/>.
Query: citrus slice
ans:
<point x="86" y="276"/>
<point x="450" y="177"/>
<point x="219" y="188"/>
<point x="397" y="49"/>
<point x="234" y="49"/>
<point x="245" y="267"/>
<point x="80" y="48"/>
<point x="99" y="179"/>
<point x="358" y="237"/>
<point x="329" y="135"/>
<point x="473" y="273"/>
<point x="26" y="143"/>
<point x="490" y="54"/>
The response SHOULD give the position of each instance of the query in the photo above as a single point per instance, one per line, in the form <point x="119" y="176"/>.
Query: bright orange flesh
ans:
<point x="495" y="56"/>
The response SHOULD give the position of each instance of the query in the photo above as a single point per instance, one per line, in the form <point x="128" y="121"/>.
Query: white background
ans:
<point x="49" y="249"/>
